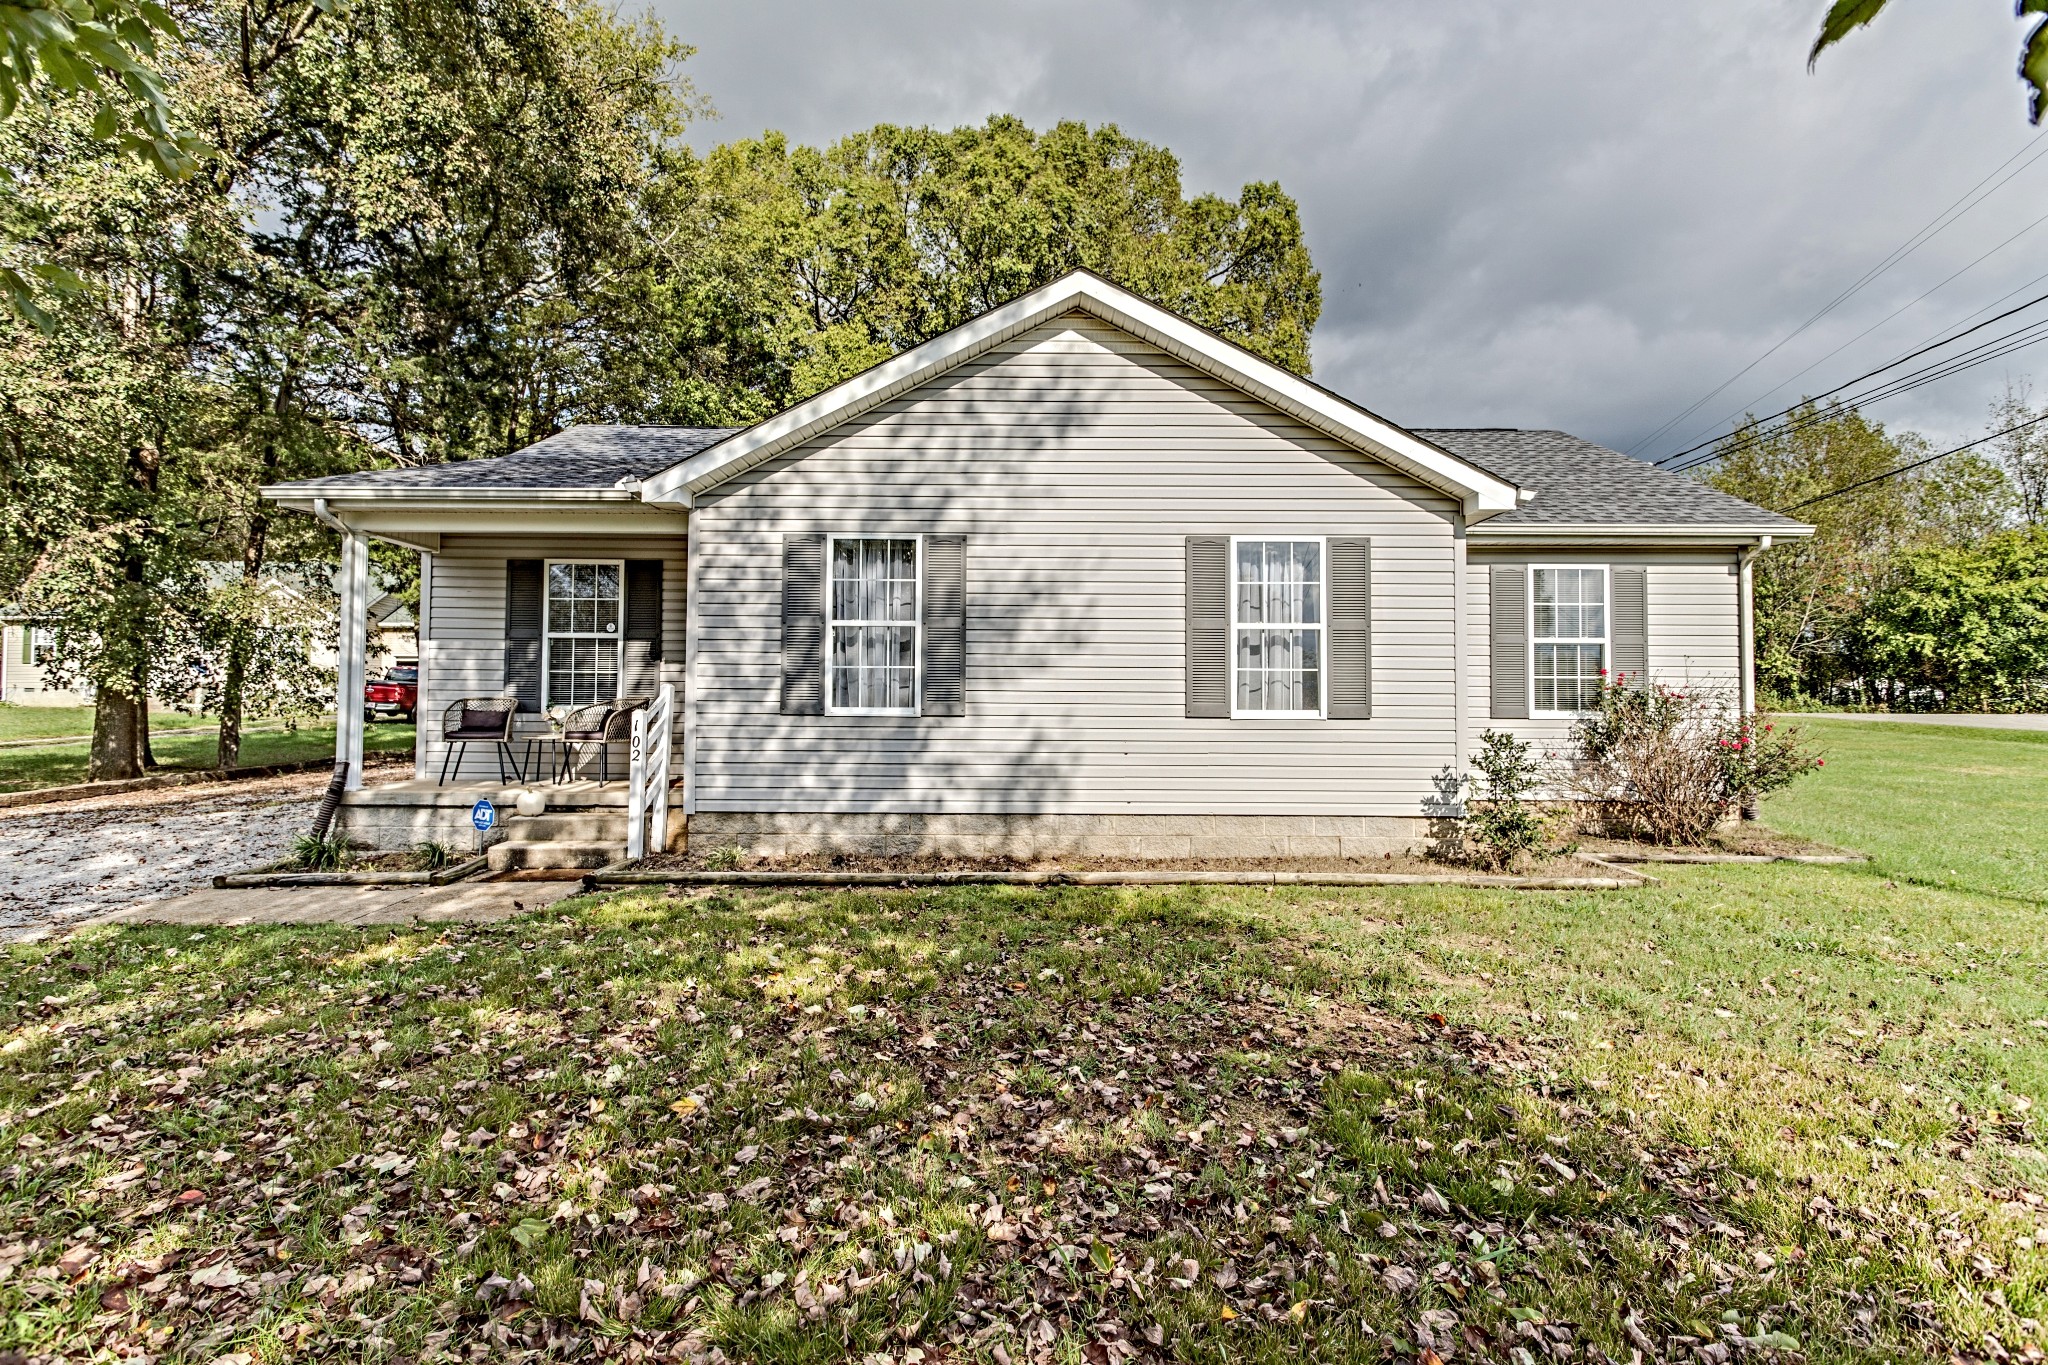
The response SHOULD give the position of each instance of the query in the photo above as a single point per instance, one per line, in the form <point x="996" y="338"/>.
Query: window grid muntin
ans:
<point x="1566" y="669"/>
<point x="579" y="656"/>
<point x="1303" y="637"/>
<point x="885" y="627"/>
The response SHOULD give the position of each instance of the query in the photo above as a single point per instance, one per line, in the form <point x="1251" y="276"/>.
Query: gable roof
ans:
<point x="1482" y="492"/>
<point x="1579" y="484"/>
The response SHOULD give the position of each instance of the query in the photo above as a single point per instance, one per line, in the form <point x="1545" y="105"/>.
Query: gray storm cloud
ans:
<point x="1579" y="215"/>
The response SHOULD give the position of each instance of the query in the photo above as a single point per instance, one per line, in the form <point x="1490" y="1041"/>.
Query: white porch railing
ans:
<point x="647" y="791"/>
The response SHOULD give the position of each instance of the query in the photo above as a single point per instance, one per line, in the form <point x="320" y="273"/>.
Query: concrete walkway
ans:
<point x="466" y="902"/>
<point x="1964" y="718"/>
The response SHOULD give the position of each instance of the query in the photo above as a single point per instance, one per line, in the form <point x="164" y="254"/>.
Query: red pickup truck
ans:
<point x="397" y="693"/>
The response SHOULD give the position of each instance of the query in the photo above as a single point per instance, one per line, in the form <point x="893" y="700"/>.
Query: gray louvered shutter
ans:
<point x="1350" y="628"/>
<point x="803" y="625"/>
<point x="522" y="631"/>
<point x="1206" y="609"/>
<point x="640" y="653"/>
<point x="943" y="689"/>
<point x="1631" y="660"/>
<point x="1508" y="632"/>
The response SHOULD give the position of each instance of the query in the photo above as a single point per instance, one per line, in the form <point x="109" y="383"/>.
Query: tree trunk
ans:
<point x="116" y="737"/>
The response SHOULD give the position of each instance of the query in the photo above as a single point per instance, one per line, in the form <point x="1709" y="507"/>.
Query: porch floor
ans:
<point x="425" y="792"/>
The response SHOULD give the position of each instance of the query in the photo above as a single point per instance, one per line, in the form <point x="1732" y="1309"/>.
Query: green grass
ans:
<point x="1936" y="805"/>
<point x="59" y="764"/>
<point x="34" y="722"/>
<point x="1749" y="1100"/>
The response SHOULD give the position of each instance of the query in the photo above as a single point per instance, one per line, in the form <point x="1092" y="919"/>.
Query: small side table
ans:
<point x="543" y="746"/>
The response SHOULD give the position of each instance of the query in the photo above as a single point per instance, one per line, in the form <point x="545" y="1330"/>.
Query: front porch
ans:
<point x="571" y="824"/>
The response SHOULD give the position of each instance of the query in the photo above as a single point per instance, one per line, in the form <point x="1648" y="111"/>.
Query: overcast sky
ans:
<point x="1582" y="215"/>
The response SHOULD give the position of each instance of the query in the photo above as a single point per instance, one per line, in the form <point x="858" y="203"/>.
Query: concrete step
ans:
<point x="518" y="854"/>
<point x="583" y="826"/>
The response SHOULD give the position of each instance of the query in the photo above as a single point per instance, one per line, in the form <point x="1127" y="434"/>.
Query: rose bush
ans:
<point x="1668" y="765"/>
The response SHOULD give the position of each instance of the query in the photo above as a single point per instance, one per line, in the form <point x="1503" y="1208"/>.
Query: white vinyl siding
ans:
<point x="1692" y="626"/>
<point x="463" y="651"/>
<point x="1075" y="459"/>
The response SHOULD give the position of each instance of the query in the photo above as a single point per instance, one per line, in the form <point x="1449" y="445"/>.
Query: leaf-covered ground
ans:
<point x="1750" y="1113"/>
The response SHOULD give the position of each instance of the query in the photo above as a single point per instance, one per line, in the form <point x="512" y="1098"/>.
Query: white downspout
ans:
<point x="1745" y="573"/>
<point x="1745" y="578"/>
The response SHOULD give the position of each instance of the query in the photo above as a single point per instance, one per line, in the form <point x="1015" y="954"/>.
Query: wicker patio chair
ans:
<point x="598" y="726"/>
<point x="479" y="720"/>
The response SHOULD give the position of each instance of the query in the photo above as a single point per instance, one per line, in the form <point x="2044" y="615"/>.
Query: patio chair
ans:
<point x="479" y="720"/>
<point x="598" y="726"/>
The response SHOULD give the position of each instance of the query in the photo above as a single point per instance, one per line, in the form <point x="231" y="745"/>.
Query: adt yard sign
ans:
<point x="483" y="815"/>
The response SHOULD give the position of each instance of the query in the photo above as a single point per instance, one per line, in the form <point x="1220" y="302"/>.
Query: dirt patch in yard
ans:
<point x="1747" y="840"/>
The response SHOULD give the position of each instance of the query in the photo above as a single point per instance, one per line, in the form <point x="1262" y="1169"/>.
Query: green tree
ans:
<point x="99" y="50"/>
<point x="1810" y="592"/>
<point x="1846" y="16"/>
<point x="1968" y="620"/>
<point x="2023" y="454"/>
<point x="833" y="259"/>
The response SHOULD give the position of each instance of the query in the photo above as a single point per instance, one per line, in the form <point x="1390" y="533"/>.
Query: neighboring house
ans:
<point x="24" y="646"/>
<point x="1077" y="575"/>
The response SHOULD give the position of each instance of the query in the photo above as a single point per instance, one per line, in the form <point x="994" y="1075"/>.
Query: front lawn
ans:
<point x="57" y="765"/>
<point x="1745" y="1112"/>
<point x="1932" y="804"/>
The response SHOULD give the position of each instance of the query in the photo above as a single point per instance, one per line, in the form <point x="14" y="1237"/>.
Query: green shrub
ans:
<point x="1504" y="823"/>
<point x="725" y="858"/>
<point x="432" y="855"/>
<point x="314" y="854"/>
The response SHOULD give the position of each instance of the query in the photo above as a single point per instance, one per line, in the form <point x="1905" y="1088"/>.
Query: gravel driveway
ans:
<point x="64" y="863"/>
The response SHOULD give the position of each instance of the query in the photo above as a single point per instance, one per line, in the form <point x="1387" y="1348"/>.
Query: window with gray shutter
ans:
<point x="522" y="631"/>
<point x="1632" y="626"/>
<point x="1206" y="613"/>
<point x="803" y="625"/>
<point x="1508" y="634"/>
<point x="1350" y="628"/>
<point x="944" y="685"/>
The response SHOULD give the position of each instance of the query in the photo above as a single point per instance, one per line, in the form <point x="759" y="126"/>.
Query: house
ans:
<point x="25" y="645"/>
<point x="1077" y="575"/>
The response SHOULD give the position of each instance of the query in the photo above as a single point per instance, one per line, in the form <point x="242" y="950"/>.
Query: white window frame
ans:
<point x="547" y="636"/>
<point x="1606" y="642"/>
<point x="916" y="706"/>
<point x="1322" y="628"/>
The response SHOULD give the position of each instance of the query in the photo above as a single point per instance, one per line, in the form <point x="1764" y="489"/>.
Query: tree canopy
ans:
<point x="426" y="230"/>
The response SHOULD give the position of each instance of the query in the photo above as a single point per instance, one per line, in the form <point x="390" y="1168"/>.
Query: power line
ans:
<point x="1899" y="253"/>
<point x="1889" y="316"/>
<point x="1870" y="374"/>
<point x="1742" y="441"/>
<point x="1983" y="353"/>
<point x="1917" y="464"/>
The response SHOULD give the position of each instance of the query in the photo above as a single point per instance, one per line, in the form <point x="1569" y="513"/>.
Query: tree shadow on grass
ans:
<point x="1072" y="1124"/>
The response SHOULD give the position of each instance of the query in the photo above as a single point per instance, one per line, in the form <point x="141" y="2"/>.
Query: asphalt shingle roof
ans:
<point x="1577" y="483"/>
<point x="581" y="457"/>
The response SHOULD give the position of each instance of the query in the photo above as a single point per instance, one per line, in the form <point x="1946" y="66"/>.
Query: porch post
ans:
<point x="348" y="698"/>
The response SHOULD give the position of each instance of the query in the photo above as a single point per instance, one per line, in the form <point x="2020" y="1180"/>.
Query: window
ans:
<point x="582" y="642"/>
<point x="1569" y="636"/>
<point x="872" y="608"/>
<point x="1276" y="627"/>
<point x="42" y="644"/>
